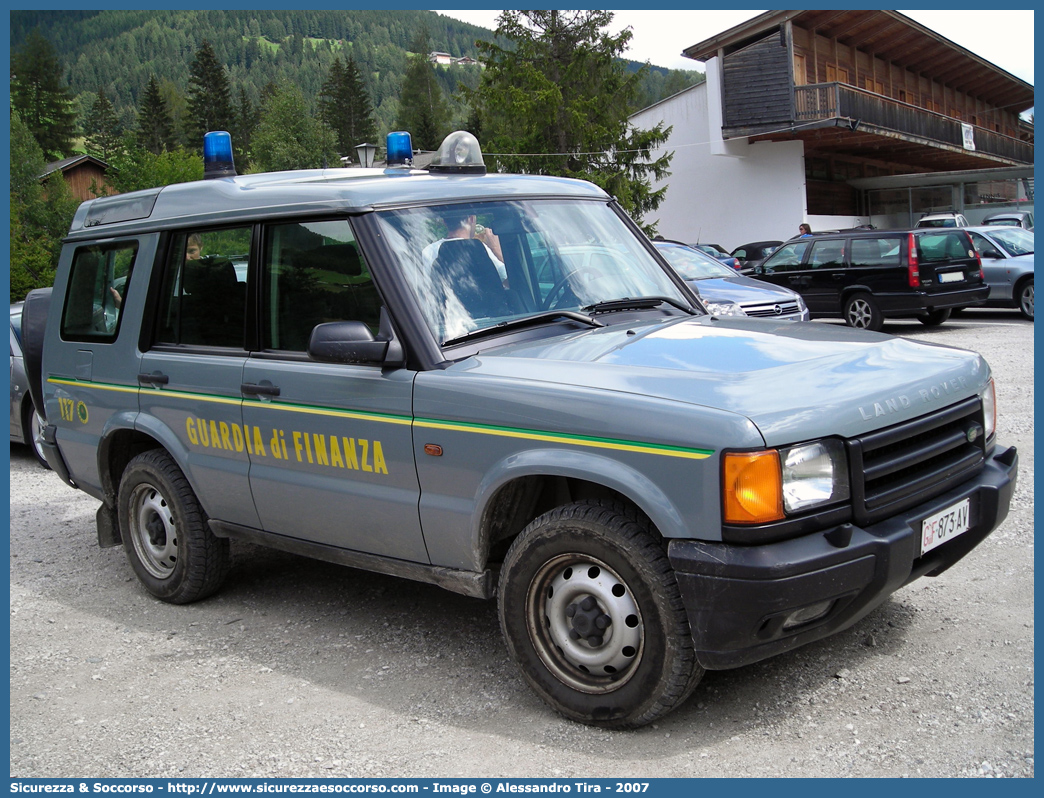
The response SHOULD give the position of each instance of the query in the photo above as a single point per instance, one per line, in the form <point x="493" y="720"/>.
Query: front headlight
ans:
<point x="723" y="308"/>
<point x="814" y="474"/>
<point x="989" y="409"/>
<point x="762" y="487"/>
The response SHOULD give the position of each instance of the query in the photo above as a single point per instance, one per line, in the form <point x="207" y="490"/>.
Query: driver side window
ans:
<point x="98" y="282"/>
<point x="787" y="258"/>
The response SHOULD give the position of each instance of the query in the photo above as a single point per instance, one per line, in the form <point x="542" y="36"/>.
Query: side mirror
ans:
<point x="345" y="342"/>
<point x="352" y="342"/>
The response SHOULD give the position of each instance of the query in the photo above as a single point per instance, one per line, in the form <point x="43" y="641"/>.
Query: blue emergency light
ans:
<point x="217" y="155"/>
<point x="400" y="149"/>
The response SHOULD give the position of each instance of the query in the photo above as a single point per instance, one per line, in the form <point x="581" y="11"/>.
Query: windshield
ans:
<point x="478" y="265"/>
<point x="1014" y="240"/>
<point x="692" y="264"/>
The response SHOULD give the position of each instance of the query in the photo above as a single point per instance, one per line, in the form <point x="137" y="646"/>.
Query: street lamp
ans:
<point x="366" y="153"/>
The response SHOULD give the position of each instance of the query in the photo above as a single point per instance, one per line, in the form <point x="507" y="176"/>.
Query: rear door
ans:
<point x="948" y="261"/>
<point x="826" y="274"/>
<point x="191" y="374"/>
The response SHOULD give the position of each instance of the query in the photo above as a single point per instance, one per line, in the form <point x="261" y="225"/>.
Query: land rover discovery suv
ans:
<point x="867" y="276"/>
<point x="493" y="383"/>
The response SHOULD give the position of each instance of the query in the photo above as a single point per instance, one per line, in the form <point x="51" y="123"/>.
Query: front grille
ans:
<point x="902" y="466"/>
<point x="763" y="310"/>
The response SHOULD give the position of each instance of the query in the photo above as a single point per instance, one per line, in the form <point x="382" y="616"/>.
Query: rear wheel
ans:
<point x="32" y="430"/>
<point x="1024" y="294"/>
<point x="592" y="613"/>
<point x="861" y="311"/>
<point x="165" y="532"/>
<point x="935" y="318"/>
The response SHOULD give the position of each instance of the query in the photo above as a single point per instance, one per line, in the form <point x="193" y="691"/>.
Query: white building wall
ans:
<point x="726" y="192"/>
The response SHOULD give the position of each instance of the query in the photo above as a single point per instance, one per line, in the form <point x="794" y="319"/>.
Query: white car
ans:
<point x="946" y="219"/>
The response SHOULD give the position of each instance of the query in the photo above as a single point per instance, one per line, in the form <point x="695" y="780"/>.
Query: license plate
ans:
<point x="944" y="526"/>
<point x="951" y="277"/>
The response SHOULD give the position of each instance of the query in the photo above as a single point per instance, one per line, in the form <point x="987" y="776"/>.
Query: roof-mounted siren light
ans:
<point x="399" y="149"/>
<point x="217" y="155"/>
<point x="459" y="154"/>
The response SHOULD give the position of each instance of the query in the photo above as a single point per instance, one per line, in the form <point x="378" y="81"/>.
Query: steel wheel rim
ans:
<point x="859" y="313"/>
<point x="154" y="533"/>
<point x="1026" y="300"/>
<point x="570" y="580"/>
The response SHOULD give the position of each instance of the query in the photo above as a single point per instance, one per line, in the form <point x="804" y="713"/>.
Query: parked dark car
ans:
<point x="866" y="276"/>
<point x="726" y="293"/>
<point x="755" y="253"/>
<point x="1023" y="219"/>
<point x="1007" y="263"/>
<point x="25" y="421"/>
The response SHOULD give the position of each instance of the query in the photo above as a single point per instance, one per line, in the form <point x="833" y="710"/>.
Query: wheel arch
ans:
<point x="125" y="438"/>
<point x="526" y="485"/>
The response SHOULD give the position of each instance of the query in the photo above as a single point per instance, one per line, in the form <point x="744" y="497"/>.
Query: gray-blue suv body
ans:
<point x="495" y="384"/>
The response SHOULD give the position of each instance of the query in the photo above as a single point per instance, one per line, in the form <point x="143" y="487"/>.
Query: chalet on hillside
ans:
<point x="81" y="172"/>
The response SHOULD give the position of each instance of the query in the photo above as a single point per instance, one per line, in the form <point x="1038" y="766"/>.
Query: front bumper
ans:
<point x="739" y="597"/>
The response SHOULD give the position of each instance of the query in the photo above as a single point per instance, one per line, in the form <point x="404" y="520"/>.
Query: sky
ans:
<point x="1004" y="38"/>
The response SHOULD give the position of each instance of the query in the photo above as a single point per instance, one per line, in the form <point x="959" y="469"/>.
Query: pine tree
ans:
<point x="289" y="137"/>
<point x="210" y="97"/>
<point x="559" y="90"/>
<point x="40" y="98"/>
<point x="102" y="128"/>
<point x="423" y="110"/>
<point x="345" y="106"/>
<point x="248" y="117"/>
<point x="155" y="128"/>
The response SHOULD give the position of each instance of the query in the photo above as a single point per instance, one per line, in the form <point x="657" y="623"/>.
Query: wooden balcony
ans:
<point x="839" y="101"/>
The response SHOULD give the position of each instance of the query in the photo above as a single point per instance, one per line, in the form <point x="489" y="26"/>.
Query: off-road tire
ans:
<point x="643" y="665"/>
<point x="165" y="533"/>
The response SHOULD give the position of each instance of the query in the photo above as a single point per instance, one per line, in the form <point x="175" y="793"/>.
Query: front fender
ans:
<point x="588" y="466"/>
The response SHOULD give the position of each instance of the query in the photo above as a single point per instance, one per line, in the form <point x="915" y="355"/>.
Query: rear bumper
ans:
<point x="739" y="597"/>
<point x="916" y="303"/>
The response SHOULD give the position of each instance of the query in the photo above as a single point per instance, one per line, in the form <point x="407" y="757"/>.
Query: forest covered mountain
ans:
<point x="118" y="51"/>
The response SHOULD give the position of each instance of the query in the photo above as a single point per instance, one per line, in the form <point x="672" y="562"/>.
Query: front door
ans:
<point x="330" y="444"/>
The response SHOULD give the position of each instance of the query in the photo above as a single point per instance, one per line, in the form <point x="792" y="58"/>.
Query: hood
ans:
<point x="793" y="380"/>
<point x="740" y="289"/>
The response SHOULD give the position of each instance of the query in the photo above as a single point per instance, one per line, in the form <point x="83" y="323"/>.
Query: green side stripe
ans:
<point x="425" y="423"/>
<point x="563" y="437"/>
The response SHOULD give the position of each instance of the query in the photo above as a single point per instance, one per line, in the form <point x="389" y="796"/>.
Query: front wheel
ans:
<point x="165" y="532"/>
<point x="861" y="311"/>
<point x="934" y="318"/>
<point x="1024" y="293"/>
<point x="591" y="612"/>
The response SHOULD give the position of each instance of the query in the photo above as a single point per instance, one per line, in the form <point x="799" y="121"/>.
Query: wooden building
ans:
<point x="868" y="93"/>
<point x="85" y="175"/>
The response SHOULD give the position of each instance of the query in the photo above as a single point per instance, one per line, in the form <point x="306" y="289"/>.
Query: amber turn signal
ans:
<point x="753" y="485"/>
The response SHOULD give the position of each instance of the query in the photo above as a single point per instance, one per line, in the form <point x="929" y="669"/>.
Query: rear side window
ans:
<point x="204" y="288"/>
<point x="875" y="252"/>
<point x="311" y="273"/>
<point x="98" y="282"/>
<point x="935" y="247"/>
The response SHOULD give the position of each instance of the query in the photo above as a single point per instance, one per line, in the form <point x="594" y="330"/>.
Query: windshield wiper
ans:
<point x="522" y="323"/>
<point x="638" y="303"/>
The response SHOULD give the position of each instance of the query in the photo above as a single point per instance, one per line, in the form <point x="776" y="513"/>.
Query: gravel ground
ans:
<point x="304" y="669"/>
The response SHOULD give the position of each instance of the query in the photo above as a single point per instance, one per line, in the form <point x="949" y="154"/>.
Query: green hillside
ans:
<point x="117" y="51"/>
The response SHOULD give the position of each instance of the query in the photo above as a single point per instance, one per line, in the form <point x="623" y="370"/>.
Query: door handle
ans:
<point x="251" y="389"/>
<point x="155" y="378"/>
